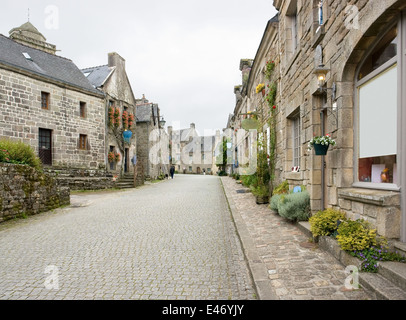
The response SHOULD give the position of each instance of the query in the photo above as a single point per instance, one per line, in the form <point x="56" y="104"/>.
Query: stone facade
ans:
<point x="25" y="191"/>
<point x="112" y="80"/>
<point x="153" y="141"/>
<point x="22" y="117"/>
<point x="338" y="36"/>
<point x="47" y="103"/>
<point x="192" y="153"/>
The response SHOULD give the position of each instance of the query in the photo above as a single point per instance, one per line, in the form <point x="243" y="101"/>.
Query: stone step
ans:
<point x="125" y="185"/>
<point x="388" y="284"/>
<point x="380" y="287"/>
<point x="400" y="247"/>
<point x="394" y="272"/>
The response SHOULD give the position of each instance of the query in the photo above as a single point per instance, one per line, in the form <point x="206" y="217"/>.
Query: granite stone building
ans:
<point x="48" y="103"/>
<point x="120" y="111"/>
<point x="153" y="141"/>
<point x="192" y="153"/>
<point x="339" y="69"/>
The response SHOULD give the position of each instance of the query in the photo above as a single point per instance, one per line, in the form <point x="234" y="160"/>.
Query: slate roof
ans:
<point x="144" y="112"/>
<point x="52" y="67"/>
<point x="98" y="75"/>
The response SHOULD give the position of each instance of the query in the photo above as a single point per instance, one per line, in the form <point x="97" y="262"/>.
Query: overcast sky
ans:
<point x="182" y="54"/>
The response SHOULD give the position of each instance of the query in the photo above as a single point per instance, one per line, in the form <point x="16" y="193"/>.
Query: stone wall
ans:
<point x="82" y="179"/>
<point x="21" y="117"/>
<point x="342" y="45"/>
<point x="25" y="191"/>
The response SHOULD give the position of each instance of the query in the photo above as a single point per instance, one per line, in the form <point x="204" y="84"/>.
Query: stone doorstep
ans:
<point x="388" y="284"/>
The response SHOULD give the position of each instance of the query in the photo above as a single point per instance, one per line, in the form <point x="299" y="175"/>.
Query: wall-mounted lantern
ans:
<point x="321" y="73"/>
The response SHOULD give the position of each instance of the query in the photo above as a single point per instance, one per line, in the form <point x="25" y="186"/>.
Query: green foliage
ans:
<point x="222" y="173"/>
<point x="274" y="203"/>
<point x="324" y="223"/>
<point x="356" y="235"/>
<point x="261" y="190"/>
<point x="283" y="188"/>
<point x="222" y="159"/>
<point x="262" y="168"/>
<point x="271" y="97"/>
<point x="249" y="181"/>
<point x="371" y="256"/>
<point x="18" y="153"/>
<point x="295" y="206"/>
<point x="270" y="66"/>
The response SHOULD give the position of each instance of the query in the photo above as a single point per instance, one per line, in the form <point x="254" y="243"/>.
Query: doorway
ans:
<point x="126" y="160"/>
<point x="45" y="146"/>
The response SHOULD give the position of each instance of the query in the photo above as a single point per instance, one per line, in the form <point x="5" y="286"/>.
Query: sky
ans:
<point x="182" y="54"/>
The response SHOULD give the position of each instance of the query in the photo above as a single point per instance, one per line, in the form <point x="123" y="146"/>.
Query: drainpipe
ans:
<point x="323" y="164"/>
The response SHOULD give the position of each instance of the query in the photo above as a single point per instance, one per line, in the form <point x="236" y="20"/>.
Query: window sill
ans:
<point x="371" y="196"/>
<point x="294" y="176"/>
<point x="377" y="186"/>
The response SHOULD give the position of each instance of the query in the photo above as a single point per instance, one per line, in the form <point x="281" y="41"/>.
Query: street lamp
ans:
<point x="321" y="73"/>
<point x="162" y="122"/>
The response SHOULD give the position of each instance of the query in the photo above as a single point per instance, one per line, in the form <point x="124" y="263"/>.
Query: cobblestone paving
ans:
<point x="297" y="269"/>
<point x="171" y="240"/>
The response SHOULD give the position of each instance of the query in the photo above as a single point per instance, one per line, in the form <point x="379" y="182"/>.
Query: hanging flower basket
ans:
<point x="260" y="87"/>
<point x="321" y="144"/>
<point x="320" y="149"/>
<point x="127" y="135"/>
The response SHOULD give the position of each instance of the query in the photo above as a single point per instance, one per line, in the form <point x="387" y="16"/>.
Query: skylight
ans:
<point x="27" y="56"/>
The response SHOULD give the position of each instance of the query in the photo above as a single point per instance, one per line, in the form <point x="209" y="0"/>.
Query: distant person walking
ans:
<point x="172" y="171"/>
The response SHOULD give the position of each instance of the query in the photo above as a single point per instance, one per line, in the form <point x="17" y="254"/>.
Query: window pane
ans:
<point x="381" y="54"/>
<point x="378" y="128"/>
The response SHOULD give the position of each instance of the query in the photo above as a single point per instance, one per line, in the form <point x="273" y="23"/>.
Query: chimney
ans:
<point x="115" y="60"/>
<point x="193" y="126"/>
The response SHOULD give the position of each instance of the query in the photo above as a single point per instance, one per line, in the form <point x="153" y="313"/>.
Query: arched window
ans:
<point x="377" y="95"/>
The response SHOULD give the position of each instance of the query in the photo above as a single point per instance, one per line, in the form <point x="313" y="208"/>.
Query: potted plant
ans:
<point x="112" y="157"/>
<point x="321" y="144"/>
<point x="261" y="88"/>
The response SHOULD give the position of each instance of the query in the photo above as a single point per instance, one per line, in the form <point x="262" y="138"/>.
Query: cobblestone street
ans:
<point x="286" y="266"/>
<point x="170" y="240"/>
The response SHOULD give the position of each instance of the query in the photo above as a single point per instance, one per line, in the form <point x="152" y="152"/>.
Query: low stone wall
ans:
<point x="380" y="208"/>
<point x="25" y="191"/>
<point x="82" y="179"/>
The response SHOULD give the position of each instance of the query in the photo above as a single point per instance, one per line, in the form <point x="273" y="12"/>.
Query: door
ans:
<point x="45" y="146"/>
<point x="126" y="160"/>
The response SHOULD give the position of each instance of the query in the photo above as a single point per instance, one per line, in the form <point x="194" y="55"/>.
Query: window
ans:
<point x="296" y="141"/>
<point x="45" y="100"/>
<point x="377" y="90"/>
<point x="320" y="13"/>
<point x="83" y="142"/>
<point x="292" y="27"/>
<point x="82" y="109"/>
